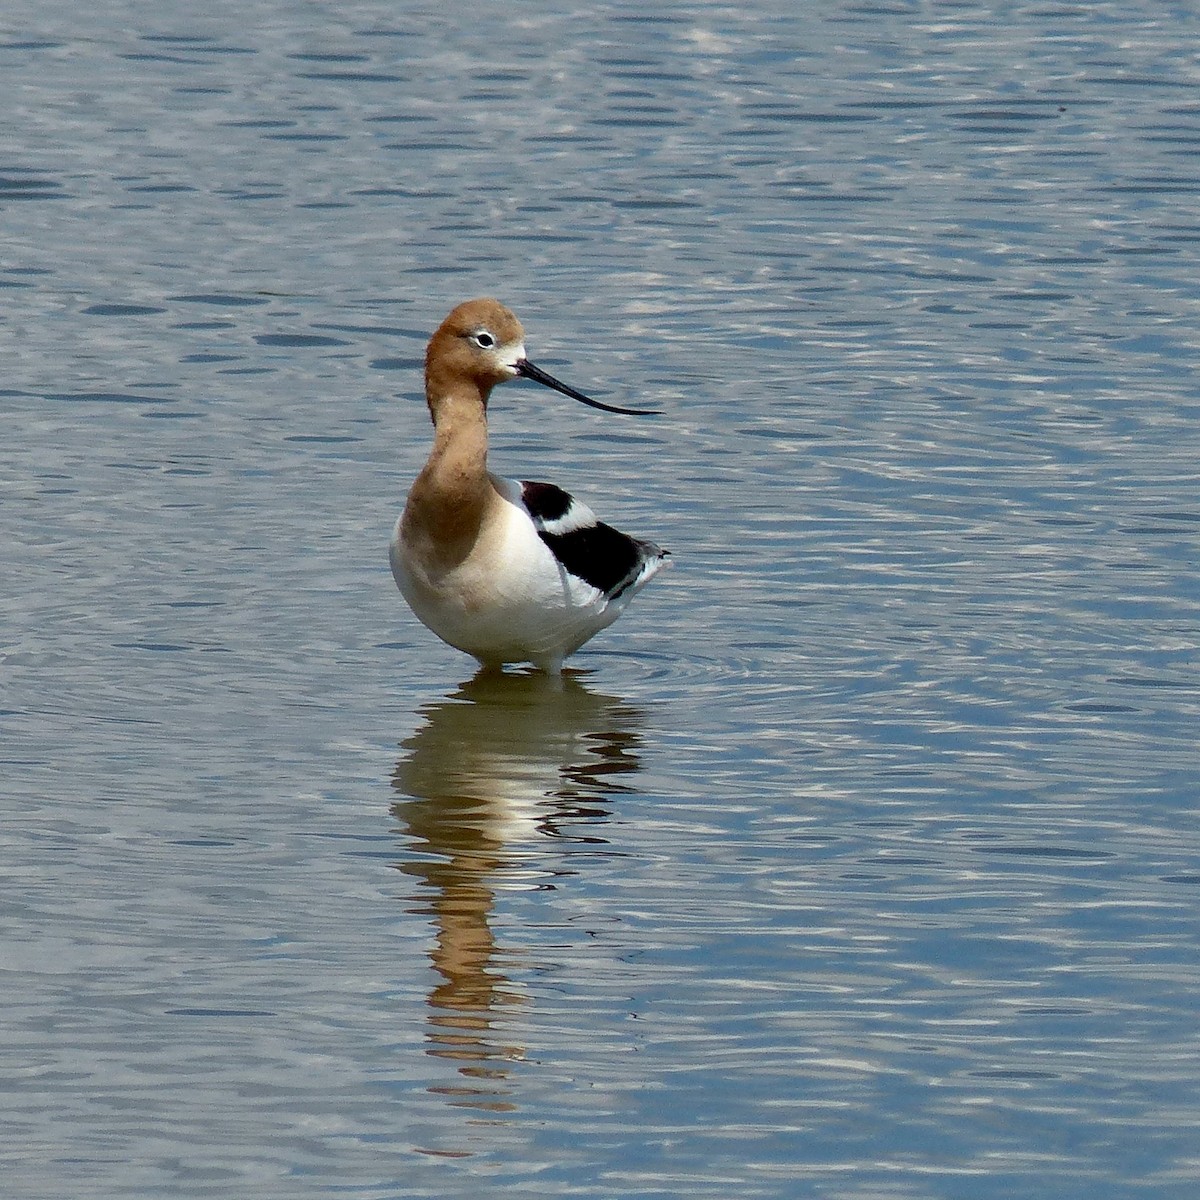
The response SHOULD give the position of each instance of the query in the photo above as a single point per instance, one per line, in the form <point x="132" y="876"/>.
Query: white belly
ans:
<point x="508" y="601"/>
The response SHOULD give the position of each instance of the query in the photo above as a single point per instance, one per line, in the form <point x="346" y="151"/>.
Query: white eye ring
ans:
<point x="483" y="339"/>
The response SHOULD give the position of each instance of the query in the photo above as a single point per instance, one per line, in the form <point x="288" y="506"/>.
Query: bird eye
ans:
<point x="483" y="339"/>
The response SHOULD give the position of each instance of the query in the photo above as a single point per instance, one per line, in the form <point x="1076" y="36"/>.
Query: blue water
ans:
<point x="859" y="859"/>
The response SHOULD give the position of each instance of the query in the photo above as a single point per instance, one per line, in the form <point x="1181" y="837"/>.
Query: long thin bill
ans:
<point x="527" y="370"/>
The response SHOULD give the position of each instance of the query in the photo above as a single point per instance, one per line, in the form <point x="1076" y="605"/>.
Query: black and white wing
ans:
<point x="609" y="560"/>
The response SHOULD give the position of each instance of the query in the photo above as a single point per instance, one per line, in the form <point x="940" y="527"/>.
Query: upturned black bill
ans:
<point x="527" y="370"/>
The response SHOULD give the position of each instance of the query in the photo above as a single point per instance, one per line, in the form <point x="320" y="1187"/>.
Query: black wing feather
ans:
<point x="545" y="501"/>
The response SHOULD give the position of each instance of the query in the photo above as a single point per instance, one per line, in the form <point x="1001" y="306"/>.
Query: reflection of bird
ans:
<point x="506" y="571"/>
<point x="504" y="761"/>
<point x="507" y="756"/>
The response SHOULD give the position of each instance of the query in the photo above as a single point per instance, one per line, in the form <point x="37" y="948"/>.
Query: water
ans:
<point x="860" y="859"/>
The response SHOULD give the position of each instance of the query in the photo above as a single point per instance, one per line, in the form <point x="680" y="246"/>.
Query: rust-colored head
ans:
<point x="480" y="344"/>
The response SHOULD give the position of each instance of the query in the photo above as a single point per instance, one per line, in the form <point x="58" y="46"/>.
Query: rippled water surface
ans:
<point x="859" y="859"/>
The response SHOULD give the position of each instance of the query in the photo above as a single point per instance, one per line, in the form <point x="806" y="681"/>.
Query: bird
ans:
<point x="508" y="571"/>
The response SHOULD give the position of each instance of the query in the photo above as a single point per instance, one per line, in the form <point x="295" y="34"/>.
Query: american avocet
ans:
<point x="507" y="571"/>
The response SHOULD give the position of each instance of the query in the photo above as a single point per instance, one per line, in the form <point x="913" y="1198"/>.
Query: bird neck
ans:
<point x="450" y="496"/>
